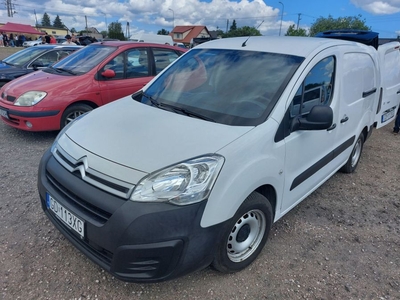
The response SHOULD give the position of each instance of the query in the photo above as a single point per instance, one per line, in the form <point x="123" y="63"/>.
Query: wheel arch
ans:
<point x="269" y="192"/>
<point x="87" y="102"/>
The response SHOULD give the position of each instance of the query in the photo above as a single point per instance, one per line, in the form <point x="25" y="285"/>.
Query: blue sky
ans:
<point x="149" y="16"/>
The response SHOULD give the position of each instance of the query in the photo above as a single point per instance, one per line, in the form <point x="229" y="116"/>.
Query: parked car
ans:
<point x="32" y="43"/>
<point x="195" y="168"/>
<point x="60" y="40"/>
<point x="31" y="59"/>
<point x="95" y="75"/>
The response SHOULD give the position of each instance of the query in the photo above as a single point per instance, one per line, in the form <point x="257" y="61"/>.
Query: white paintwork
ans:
<point x="145" y="139"/>
<point x="152" y="38"/>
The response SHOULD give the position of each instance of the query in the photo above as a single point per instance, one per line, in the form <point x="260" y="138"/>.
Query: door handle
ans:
<point x="370" y="92"/>
<point x="344" y="120"/>
<point x="398" y="92"/>
<point x="332" y="127"/>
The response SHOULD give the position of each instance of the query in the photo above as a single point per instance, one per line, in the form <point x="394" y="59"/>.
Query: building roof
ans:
<point x="194" y="31"/>
<point x="19" y="28"/>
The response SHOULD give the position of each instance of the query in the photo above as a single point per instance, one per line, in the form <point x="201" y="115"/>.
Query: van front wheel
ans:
<point x="355" y="156"/>
<point x="245" y="235"/>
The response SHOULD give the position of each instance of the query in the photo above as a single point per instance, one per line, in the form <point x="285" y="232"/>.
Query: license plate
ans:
<point x="4" y="113"/>
<point x="65" y="215"/>
<point x="387" y="115"/>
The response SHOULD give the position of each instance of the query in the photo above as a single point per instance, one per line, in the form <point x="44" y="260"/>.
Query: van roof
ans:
<point x="290" y="45"/>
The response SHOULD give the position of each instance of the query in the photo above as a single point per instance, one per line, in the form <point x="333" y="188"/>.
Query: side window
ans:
<point x="137" y="63"/>
<point x="62" y="54"/>
<point x="316" y="89"/>
<point x="163" y="57"/>
<point x="117" y="65"/>
<point x="46" y="60"/>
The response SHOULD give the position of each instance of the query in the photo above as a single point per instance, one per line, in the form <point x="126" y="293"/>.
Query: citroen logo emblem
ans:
<point x="82" y="166"/>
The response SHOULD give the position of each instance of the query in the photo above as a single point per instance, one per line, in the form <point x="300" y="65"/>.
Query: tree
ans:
<point x="46" y="20"/>
<point x="295" y="32"/>
<point x="233" y="26"/>
<point x="242" y="31"/>
<point x="58" y="23"/>
<point x="163" y="32"/>
<point x="73" y="30"/>
<point x="104" y="33"/>
<point x="324" y="24"/>
<point x="115" y="31"/>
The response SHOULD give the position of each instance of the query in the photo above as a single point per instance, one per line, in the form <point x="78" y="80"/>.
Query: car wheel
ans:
<point x="355" y="156"/>
<point x="244" y="235"/>
<point x="73" y="112"/>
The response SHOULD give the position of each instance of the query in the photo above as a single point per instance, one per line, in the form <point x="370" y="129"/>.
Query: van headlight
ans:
<point x="30" y="98"/>
<point x="181" y="184"/>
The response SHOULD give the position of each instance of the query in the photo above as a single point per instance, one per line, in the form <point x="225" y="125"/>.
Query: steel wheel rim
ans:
<point x="356" y="153"/>
<point x="246" y="235"/>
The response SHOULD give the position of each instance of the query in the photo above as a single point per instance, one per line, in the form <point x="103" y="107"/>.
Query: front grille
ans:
<point x="8" y="97"/>
<point x="94" y="212"/>
<point x="99" y="180"/>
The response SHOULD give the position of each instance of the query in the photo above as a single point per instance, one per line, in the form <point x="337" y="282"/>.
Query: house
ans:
<point x="186" y="34"/>
<point x="56" y="31"/>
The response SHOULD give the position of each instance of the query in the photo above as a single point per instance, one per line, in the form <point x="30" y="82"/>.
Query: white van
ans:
<point x="195" y="168"/>
<point x="152" y="38"/>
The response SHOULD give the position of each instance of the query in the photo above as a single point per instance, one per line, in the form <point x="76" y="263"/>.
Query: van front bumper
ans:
<point x="137" y="242"/>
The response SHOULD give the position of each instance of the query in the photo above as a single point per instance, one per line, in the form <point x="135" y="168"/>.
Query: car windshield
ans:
<point x="22" y="57"/>
<point x="84" y="60"/>
<point x="225" y="86"/>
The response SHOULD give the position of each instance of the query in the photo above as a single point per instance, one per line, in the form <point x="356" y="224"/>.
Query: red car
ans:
<point x="93" y="76"/>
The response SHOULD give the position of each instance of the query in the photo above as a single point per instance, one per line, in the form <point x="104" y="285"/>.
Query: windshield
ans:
<point x="85" y="59"/>
<point x="226" y="86"/>
<point x="20" y="58"/>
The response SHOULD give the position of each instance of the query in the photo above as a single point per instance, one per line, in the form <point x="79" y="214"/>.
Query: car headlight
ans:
<point x="181" y="184"/>
<point x="30" y="98"/>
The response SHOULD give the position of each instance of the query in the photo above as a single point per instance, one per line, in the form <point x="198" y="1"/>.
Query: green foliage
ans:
<point x="241" y="31"/>
<point x="233" y="26"/>
<point x="73" y="30"/>
<point x="330" y="23"/>
<point x="163" y="32"/>
<point x="58" y="23"/>
<point x="295" y="32"/>
<point x="46" y="20"/>
<point x="115" y="31"/>
<point x="104" y="33"/>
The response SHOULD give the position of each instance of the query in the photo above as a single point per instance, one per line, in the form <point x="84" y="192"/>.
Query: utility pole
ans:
<point x="10" y="8"/>
<point x="227" y="25"/>
<point x="298" y="21"/>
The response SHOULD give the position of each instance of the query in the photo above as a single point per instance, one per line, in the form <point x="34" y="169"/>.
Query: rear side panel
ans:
<point x="389" y="58"/>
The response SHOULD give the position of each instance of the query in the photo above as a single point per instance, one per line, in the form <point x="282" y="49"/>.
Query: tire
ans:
<point x="355" y="156"/>
<point x="73" y="112"/>
<point x="244" y="236"/>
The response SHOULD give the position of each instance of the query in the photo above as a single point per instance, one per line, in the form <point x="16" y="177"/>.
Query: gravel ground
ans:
<point x="342" y="242"/>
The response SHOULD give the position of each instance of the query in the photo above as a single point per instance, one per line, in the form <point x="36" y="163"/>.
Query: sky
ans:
<point x="150" y="16"/>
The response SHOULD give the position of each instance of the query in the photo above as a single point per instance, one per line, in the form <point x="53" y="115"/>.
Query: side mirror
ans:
<point x="108" y="73"/>
<point x="319" y="118"/>
<point x="37" y="65"/>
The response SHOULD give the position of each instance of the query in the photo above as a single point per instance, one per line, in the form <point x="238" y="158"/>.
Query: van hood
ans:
<point x="146" y="138"/>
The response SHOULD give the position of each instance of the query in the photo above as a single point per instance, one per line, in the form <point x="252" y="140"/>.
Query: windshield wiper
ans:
<point x="177" y="109"/>
<point x="64" y="70"/>
<point x="7" y="63"/>
<point x="185" y="111"/>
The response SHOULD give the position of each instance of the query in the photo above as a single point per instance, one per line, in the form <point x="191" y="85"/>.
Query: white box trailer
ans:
<point x="152" y="38"/>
